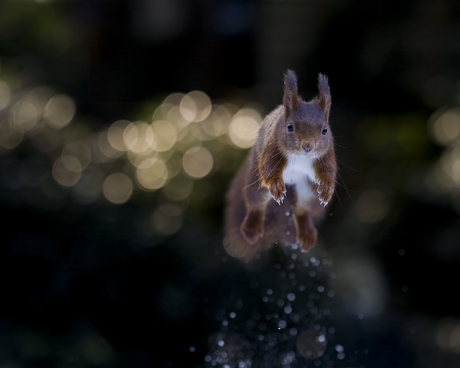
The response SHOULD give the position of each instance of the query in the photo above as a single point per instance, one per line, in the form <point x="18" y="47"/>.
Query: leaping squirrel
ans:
<point x="289" y="174"/>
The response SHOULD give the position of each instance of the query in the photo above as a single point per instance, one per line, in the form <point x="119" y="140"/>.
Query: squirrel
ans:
<point x="287" y="179"/>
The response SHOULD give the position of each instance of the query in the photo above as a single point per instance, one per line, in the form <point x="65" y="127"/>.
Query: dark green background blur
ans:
<point x="88" y="283"/>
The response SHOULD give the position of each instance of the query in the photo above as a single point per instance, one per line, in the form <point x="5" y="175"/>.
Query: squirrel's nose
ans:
<point x="307" y="147"/>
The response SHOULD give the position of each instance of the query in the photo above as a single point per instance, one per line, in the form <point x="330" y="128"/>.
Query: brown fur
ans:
<point x="253" y="221"/>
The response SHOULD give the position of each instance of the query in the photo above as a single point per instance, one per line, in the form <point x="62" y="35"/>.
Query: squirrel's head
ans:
<point x="304" y="127"/>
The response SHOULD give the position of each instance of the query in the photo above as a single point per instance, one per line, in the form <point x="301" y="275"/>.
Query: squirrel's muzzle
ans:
<point x="307" y="147"/>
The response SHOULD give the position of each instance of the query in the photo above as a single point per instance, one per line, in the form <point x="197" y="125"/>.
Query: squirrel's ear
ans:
<point x="324" y="100"/>
<point x="291" y="98"/>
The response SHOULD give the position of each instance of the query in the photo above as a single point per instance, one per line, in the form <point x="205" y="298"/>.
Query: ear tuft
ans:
<point x="291" y="97"/>
<point x="324" y="100"/>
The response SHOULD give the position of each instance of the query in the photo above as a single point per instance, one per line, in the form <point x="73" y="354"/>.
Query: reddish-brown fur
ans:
<point x="253" y="220"/>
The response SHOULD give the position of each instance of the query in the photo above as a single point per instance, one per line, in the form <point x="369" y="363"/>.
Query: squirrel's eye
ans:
<point x="290" y="127"/>
<point x="324" y="130"/>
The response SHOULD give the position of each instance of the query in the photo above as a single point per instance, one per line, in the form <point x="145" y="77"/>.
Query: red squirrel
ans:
<point x="288" y="175"/>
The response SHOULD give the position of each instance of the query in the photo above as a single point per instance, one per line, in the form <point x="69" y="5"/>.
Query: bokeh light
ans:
<point x="24" y="116"/>
<point x="67" y="170"/>
<point x="174" y="115"/>
<point x="117" y="188"/>
<point x="174" y="165"/>
<point x="105" y="147"/>
<point x="138" y="159"/>
<point x="197" y="162"/>
<point x="222" y="118"/>
<point x="448" y="335"/>
<point x="195" y="106"/>
<point x="444" y="126"/>
<point x="179" y="188"/>
<point x="243" y="128"/>
<point x="115" y="135"/>
<point x="138" y="137"/>
<point x="59" y="111"/>
<point x="152" y="174"/>
<point x="79" y="150"/>
<point x="167" y="219"/>
<point x="5" y="95"/>
<point x="311" y="344"/>
<point x="89" y="186"/>
<point x="9" y="138"/>
<point x="174" y="99"/>
<point x="164" y="135"/>
<point x="372" y="206"/>
<point x="161" y="112"/>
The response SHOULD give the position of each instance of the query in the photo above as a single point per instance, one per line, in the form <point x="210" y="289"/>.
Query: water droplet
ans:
<point x="287" y="213"/>
<point x="232" y="315"/>
<point x="288" y="309"/>
<point x="192" y="349"/>
<point x="291" y="297"/>
<point x="221" y="343"/>
<point x="269" y="291"/>
<point x="282" y="324"/>
<point x="339" y="348"/>
<point x="288" y="233"/>
<point x="320" y="288"/>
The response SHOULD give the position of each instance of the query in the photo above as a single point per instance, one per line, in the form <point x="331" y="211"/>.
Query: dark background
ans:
<point x="93" y="284"/>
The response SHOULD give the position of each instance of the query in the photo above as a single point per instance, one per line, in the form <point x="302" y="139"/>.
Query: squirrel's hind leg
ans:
<point x="256" y="198"/>
<point x="307" y="234"/>
<point x="252" y="227"/>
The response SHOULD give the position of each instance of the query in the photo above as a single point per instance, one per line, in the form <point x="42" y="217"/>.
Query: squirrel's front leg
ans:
<point x="271" y="169"/>
<point x="264" y="180"/>
<point x="325" y="178"/>
<point x="277" y="190"/>
<point x="325" y="189"/>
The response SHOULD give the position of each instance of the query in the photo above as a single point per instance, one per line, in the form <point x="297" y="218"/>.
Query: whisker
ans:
<point x="343" y="163"/>
<point x="344" y="186"/>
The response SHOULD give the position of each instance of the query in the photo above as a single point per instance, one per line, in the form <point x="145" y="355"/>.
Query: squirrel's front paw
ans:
<point x="325" y="189"/>
<point x="278" y="191"/>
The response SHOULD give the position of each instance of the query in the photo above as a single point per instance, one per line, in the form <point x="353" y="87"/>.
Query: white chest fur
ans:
<point x="299" y="169"/>
<point x="300" y="172"/>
